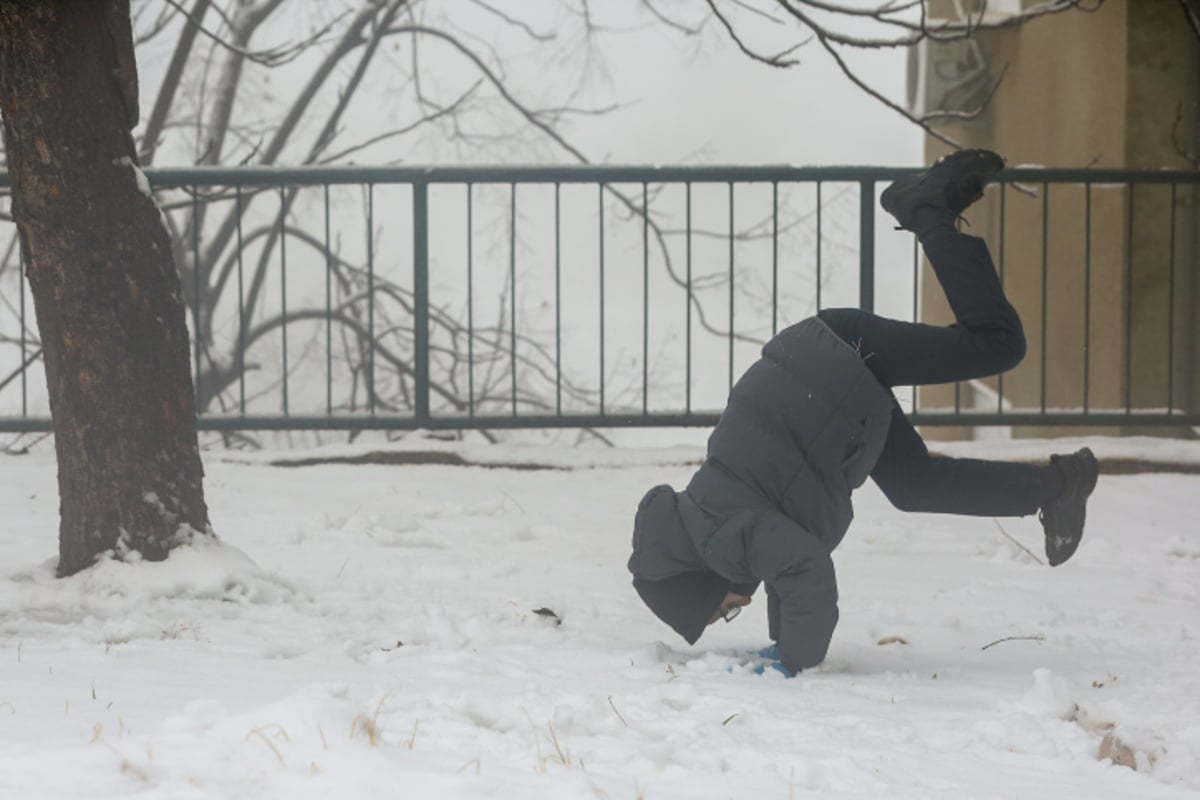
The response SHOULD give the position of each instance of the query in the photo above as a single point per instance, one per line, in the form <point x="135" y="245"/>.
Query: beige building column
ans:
<point x="1110" y="300"/>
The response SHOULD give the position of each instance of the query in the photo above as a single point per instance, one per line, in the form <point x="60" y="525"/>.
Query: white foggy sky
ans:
<point x="685" y="99"/>
<point x="721" y="107"/>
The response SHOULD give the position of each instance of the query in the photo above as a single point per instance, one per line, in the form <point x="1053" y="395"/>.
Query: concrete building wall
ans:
<point x="1117" y="87"/>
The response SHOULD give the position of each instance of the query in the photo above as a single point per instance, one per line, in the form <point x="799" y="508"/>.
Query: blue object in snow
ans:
<point x="770" y="652"/>
<point x="775" y="665"/>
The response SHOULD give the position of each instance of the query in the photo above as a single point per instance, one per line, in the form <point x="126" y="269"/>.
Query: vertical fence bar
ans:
<point x="24" y="338"/>
<point x="557" y="300"/>
<point x="371" y="298"/>
<point x="866" y="236"/>
<point x="731" y="284"/>
<point x="916" y="257"/>
<point x="241" y="283"/>
<point x="1087" y="294"/>
<point x="774" y="257"/>
<point x="1129" y="303"/>
<point x="470" y="300"/>
<point x="600" y="217"/>
<point x="1171" y="307"/>
<point x="957" y="398"/>
<point x="1045" y="284"/>
<point x="1000" y="269"/>
<point x="328" y="309"/>
<point x="420" y="190"/>
<point x="283" y="291"/>
<point x="512" y="282"/>
<point x="818" y="300"/>
<point x="645" y="299"/>
<point x="688" y="315"/>
<point x="196" y="288"/>
<point x="916" y="278"/>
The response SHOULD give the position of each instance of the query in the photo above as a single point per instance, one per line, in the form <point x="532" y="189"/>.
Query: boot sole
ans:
<point x="1091" y="473"/>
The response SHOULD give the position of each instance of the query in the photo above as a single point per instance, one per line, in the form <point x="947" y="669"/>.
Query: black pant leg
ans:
<point x="915" y="480"/>
<point x="986" y="339"/>
<point x="965" y="270"/>
<point x="773" y="611"/>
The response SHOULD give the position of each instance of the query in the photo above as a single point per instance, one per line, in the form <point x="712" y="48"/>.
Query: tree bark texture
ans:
<point x="105" y="287"/>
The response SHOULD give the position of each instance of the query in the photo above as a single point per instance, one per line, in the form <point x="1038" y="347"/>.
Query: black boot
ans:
<point x="951" y="184"/>
<point x="1062" y="518"/>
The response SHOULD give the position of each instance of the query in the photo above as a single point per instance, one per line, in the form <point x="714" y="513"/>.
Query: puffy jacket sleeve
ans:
<point x="802" y="591"/>
<point x="808" y="613"/>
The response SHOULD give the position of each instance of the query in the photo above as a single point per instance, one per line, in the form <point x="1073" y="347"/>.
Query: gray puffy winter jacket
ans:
<point x="804" y="426"/>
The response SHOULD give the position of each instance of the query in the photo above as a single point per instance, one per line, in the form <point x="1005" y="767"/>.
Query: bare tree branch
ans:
<point x="228" y="82"/>
<point x="516" y="23"/>
<point x="828" y="44"/>
<point x="684" y="28"/>
<point x="159" y="24"/>
<point x="271" y="58"/>
<point x="777" y="60"/>
<point x="499" y="85"/>
<point x="170" y="84"/>
<point x="412" y="126"/>
<point x="763" y="14"/>
<point x="258" y="278"/>
<point x="947" y="30"/>
<point x="350" y="40"/>
<point x="360" y="71"/>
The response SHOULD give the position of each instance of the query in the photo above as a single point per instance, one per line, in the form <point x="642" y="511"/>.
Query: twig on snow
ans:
<point x="614" y="708"/>
<point x="1035" y="638"/>
<point x="1018" y="544"/>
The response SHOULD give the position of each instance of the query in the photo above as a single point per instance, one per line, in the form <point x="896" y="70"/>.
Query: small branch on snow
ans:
<point x="1035" y="638"/>
<point x="613" y="706"/>
<point x="1018" y="544"/>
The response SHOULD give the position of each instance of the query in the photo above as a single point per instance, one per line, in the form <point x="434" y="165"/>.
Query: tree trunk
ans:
<point x="105" y="287"/>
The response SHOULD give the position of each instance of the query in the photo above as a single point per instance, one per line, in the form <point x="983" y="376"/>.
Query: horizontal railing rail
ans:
<point x="455" y="297"/>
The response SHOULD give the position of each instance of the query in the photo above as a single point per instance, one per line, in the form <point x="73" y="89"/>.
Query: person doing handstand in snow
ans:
<point x="815" y="416"/>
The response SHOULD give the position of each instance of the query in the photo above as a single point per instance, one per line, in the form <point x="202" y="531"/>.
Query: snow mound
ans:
<point x="1051" y="696"/>
<point x="131" y="598"/>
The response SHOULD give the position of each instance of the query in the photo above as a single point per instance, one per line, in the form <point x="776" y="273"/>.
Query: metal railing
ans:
<point x="348" y="298"/>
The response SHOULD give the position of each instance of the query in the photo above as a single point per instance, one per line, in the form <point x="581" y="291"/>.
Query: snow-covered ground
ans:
<point x="371" y="631"/>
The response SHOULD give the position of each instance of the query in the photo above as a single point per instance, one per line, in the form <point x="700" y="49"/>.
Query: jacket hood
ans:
<point x="686" y="601"/>
<point x="668" y="573"/>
